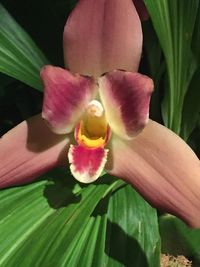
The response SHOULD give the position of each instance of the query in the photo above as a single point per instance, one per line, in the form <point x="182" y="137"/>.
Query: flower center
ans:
<point x="93" y="130"/>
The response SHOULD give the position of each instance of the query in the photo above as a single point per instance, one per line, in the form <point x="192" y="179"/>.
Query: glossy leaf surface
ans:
<point x="56" y="222"/>
<point x="19" y="56"/>
<point x="174" y="22"/>
<point x="131" y="222"/>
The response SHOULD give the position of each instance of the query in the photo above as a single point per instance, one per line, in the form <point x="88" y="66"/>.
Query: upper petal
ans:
<point x="162" y="168"/>
<point x="101" y="36"/>
<point x="126" y="97"/>
<point x="29" y="150"/>
<point x="65" y="98"/>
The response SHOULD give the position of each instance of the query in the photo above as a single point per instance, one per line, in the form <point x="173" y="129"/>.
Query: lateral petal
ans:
<point x="125" y="97"/>
<point x="101" y="36"/>
<point x="28" y="151"/>
<point x="163" y="168"/>
<point x="65" y="98"/>
<point x="86" y="164"/>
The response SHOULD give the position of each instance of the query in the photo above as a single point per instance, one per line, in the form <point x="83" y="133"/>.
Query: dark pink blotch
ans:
<point x="132" y="92"/>
<point x="87" y="159"/>
<point x="65" y="97"/>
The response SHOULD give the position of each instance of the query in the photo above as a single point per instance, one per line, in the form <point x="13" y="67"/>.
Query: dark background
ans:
<point x="44" y="21"/>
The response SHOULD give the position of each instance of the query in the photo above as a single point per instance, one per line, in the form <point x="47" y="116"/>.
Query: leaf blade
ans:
<point x="174" y="22"/>
<point x="20" y="58"/>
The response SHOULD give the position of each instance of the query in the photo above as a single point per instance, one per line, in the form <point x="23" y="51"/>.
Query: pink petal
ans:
<point x="163" y="168"/>
<point x="29" y="150"/>
<point x="87" y="163"/>
<point x="126" y="96"/>
<point x="65" y="98"/>
<point x="141" y="9"/>
<point x="101" y="36"/>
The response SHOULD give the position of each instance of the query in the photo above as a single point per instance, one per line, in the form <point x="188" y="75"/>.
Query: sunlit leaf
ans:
<point x="174" y="22"/>
<point x="46" y="221"/>
<point x="133" y="238"/>
<point x="19" y="56"/>
<point x="56" y="222"/>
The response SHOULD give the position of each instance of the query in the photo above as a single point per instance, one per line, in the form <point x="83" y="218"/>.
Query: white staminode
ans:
<point x="95" y="108"/>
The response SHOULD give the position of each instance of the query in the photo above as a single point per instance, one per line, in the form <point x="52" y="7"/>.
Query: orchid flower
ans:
<point x="102" y="100"/>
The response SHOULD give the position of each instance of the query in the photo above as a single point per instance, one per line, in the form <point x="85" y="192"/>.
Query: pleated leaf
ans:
<point x="133" y="238"/>
<point x="156" y="67"/>
<point x="56" y="222"/>
<point x="174" y="22"/>
<point x="191" y="108"/>
<point x="196" y="36"/>
<point x="20" y="58"/>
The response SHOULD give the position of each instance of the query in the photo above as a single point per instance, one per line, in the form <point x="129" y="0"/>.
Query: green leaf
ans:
<point x="178" y="239"/>
<point x="56" y="222"/>
<point x="191" y="108"/>
<point x="174" y="22"/>
<point x="133" y="238"/>
<point x="152" y="50"/>
<point x="47" y="221"/>
<point x="156" y="67"/>
<point x="196" y="37"/>
<point x="19" y="56"/>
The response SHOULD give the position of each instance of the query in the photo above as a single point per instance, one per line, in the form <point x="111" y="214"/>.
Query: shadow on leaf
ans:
<point x="123" y="248"/>
<point x="62" y="189"/>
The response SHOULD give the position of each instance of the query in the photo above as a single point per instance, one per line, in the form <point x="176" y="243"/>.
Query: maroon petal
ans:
<point x="126" y="96"/>
<point x="162" y="168"/>
<point x="101" y="36"/>
<point x="29" y="150"/>
<point x="87" y="163"/>
<point x="65" y="98"/>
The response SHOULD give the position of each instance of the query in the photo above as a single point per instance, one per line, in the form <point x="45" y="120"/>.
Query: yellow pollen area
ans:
<point x="93" y="128"/>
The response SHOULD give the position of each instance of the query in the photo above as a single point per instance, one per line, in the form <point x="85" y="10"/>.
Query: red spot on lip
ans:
<point x="87" y="163"/>
<point x="87" y="158"/>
